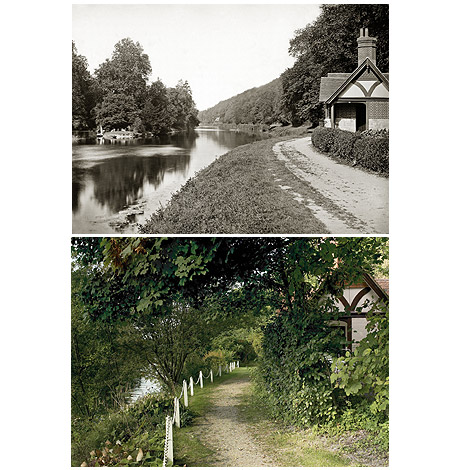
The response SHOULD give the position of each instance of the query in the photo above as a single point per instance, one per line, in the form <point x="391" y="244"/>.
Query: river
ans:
<point x="146" y="386"/>
<point x="118" y="184"/>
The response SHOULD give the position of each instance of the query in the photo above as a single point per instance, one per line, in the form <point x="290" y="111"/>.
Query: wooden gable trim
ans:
<point x="378" y="290"/>
<point x="358" y="297"/>
<point x="357" y="71"/>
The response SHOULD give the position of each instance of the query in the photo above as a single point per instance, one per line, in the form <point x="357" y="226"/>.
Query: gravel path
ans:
<point x="345" y="199"/>
<point x="222" y="430"/>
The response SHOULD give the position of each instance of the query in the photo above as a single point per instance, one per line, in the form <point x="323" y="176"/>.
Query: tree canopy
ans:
<point x="118" y="95"/>
<point x="83" y="92"/>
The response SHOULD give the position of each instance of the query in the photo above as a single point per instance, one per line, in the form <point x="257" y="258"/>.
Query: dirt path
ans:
<point x="345" y="199"/>
<point x="222" y="430"/>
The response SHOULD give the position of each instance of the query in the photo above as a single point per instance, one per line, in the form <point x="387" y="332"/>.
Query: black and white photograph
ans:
<point x="230" y="119"/>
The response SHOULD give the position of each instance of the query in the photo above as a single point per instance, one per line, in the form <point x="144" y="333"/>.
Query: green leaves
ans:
<point x="366" y="372"/>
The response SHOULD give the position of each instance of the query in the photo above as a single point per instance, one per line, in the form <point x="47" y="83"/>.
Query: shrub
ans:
<point x="323" y="138"/>
<point x="373" y="153"/>
<point x="343" y="144"/>
<point x="131" y="436"/>
<point x="369" y="149"/>
<point x="365" y="372"/>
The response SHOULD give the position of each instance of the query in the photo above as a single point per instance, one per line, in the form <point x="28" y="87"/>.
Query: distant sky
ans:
<point x="221" y="50"/>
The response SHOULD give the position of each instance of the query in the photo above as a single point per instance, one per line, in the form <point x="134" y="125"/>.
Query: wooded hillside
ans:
<point x="260" y="105"/>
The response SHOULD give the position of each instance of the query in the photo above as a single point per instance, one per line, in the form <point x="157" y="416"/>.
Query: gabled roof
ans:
<point x="334" y="83"/>
<point x="380" y="286"/>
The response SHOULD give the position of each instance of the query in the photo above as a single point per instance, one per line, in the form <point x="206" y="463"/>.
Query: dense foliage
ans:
<point x="127" y="436"/>
<point x="118" y="95"/>
<point x="369" y="149"/>
<point x="83" y="92"/>
<point x="259" y="105"/>
<point x="102" y="366"/>
<point x="366" y="372"/>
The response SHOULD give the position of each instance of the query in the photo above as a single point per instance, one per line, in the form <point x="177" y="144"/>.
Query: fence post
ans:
<point x="186" y="403"/>
<point x="191" y="384"/>
<point x="226" y="368"/>
<point x="168" y="445"/>
<point x="176" y="405"/>
<point x="211" y="374"/>
<point x="201" y="379"/>
<point x="238" y="364"/>
<point x="220" y="370"/>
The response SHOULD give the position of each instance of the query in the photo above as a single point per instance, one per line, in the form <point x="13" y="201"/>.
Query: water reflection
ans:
<point x="119" y="182"/>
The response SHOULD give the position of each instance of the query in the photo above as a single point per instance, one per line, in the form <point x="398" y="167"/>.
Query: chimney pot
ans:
<point x="367" y="46"/>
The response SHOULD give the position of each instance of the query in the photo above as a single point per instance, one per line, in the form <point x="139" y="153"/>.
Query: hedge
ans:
<point x="368" y="149"/>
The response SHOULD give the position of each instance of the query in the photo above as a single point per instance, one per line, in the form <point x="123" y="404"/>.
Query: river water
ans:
<point x="118" y="184"/>
<point x="146" y="386"/>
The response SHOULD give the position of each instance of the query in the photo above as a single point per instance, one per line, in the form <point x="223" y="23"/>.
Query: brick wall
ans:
<point x="378" y="109"/>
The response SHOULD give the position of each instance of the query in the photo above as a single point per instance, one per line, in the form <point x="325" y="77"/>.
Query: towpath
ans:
<point x="344" y="198"/>
<point x="223" y="429"/>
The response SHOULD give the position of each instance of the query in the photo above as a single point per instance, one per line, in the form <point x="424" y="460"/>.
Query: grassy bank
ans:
<point x="238" y="193"/>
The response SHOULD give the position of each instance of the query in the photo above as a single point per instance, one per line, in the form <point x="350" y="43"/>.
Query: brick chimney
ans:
<point x="367" y="46"/>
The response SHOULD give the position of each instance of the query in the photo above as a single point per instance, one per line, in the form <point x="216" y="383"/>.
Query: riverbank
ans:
<point x="240" y="192"/>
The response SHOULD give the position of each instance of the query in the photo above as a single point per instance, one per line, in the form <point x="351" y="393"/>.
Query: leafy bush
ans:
<point x="366" y="371"/>
<point x="294" y="368"/>
<point x="369" y="149"/>
<point x="372" y="153"/>
<point x="323" y="138"/>
<point x="132" y="436"/>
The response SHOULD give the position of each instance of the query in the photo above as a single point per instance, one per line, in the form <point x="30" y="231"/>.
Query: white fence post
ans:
<point x="186" y="403"/>
<point x="176" y="405"/>
<point x="201" y="379"/>
<point x="168" y="445"/>
<point x="220" y="370"/>
<point x="191" y="384"/>
<point x="211" y="374"/>
<point x="238" y="364"/>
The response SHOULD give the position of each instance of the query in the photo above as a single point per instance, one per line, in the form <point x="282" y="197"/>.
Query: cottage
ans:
<point x="355" y="303"/>
<point x="359" y="100"/>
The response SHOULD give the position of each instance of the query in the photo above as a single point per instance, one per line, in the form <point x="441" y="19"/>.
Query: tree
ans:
<point x="173" y="284"/>
<point x="101" y="365"/>
<point x="166" y="341"/>
<point x="83" y="92"/>
<point x="156" y="113"/>
<point x="182" y="107"/>
<point x="124" y="75"/>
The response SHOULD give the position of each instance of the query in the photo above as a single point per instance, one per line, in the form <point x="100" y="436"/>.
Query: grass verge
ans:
<point x="289" y="446"/>
<point x="238" y="193"/>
